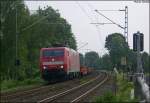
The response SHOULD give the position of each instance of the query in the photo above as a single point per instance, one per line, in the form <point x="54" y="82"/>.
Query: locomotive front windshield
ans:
<point x="49" y="53"/>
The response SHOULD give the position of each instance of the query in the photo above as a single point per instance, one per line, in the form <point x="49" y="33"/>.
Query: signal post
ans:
<point x="141" y="88"/>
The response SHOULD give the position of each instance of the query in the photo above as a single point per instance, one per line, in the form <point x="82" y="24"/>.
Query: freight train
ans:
<point x="60" y="62"/>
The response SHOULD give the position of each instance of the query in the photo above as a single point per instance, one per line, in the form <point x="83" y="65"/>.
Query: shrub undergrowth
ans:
<point x="122" y="95"/>
<point x="11" y="85"/>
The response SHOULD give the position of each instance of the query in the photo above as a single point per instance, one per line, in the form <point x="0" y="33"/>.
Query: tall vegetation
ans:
<point x="146" y="61"/>
<point x="117" y="47"/>
<point x="23" y="34"/>
<point x="92" y="59"/>
<point x="105" y="62"/>
<point x="43" y="28"/>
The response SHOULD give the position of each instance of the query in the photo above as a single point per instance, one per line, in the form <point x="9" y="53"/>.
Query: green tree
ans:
<point x="106" y="62"/>
<point x="37" y="30"/>
<point x="92" y="59"/>
<point x="145" y="61"/>
<point x="117" y="47"/>
<point x="132" y="60"/>
<point x="9" y="9"/>
<point x="50" y="30"/>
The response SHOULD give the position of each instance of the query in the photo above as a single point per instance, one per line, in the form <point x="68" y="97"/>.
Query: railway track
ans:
<point x="77" y="93"/>
<point x="22" y="93"/>
<point x="24" y="96"/>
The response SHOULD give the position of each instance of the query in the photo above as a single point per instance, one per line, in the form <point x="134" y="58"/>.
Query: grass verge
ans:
<point x="13" y="85"/>
<point x="122" y="95"/>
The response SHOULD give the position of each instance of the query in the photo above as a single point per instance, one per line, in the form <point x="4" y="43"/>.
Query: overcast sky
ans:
<point x="81" y="14"/>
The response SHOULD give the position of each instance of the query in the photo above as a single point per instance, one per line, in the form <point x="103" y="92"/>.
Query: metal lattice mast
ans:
<point x="126" y="24"/>
<point x="125" y="27"/>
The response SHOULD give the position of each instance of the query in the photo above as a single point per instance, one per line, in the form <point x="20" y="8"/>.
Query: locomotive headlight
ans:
<point x="44" y="67"/>
<point x="61" y="66"/>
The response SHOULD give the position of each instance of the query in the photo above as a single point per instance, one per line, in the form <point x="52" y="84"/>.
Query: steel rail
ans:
<point x="23" y="92"/>
<point x="89" y="91"/>
<point x="66" y="92"/>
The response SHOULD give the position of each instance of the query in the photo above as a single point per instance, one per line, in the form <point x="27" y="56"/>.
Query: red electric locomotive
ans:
<point x="59" y="62"/>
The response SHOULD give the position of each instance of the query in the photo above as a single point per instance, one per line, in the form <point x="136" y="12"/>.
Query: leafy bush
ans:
<point x="9" y="85"/>
<point x="6" y="84"/>
<point x="123" y="92"/>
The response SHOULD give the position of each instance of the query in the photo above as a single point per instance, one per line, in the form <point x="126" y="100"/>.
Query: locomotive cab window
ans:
<point x="49" y="53"/>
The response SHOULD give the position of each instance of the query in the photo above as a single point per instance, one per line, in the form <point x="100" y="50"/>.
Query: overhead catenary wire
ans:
<point x="112" y="22"/>
<point x="82" y="46"/>
<point x="110" y="10"/>
<point x="84" y="11"/>
<point x="90" y="20"/>
<point x="109" y="19"/>
<point x="97" y="27"/>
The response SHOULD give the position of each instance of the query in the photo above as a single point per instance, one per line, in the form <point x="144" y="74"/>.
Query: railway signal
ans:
<point x="141" y="87"/>
<point x="138" y="41"/>
<point x="138" y="46"/>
